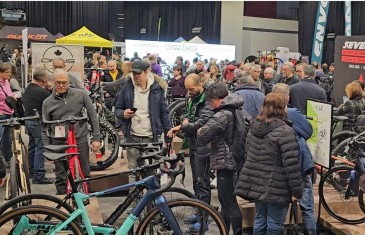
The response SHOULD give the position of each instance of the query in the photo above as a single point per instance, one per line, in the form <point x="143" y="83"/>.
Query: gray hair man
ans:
<point x="288" y="76"/>
<point x="251" y="94"/>
<point x="255" y="74"/>
<point x="268" y="81"/>
<point x="306" y="89"/>
<point x="61" y="104"/>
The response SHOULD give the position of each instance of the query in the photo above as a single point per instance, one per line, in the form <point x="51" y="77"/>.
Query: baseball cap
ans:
<point x="138" y="66"/>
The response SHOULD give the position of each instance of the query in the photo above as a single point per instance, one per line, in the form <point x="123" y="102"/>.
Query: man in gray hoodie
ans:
<point x="63" y="103"/>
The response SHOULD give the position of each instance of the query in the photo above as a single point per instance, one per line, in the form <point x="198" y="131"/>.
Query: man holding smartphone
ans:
<point x="140" y="106"/>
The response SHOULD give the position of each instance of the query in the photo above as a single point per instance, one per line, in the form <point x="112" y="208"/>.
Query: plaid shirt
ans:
<point x="351" y="109"/>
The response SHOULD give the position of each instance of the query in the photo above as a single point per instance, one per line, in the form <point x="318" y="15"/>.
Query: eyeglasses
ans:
<point x="58" y="67"/>
<point x="59" y="83"/>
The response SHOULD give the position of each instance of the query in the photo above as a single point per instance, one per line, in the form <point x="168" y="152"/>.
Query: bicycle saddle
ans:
<point x="57" y="156"/>
<point x="58" y="148"/>
<point x="340" y="118"/>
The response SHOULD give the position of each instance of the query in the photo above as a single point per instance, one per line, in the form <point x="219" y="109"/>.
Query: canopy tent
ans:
<point x="86" y="38"/>
<point x="34" y="34"/>
<point x="180" y="39"/>
<point x="197" y="40"/>
<point x="59" y="35"/>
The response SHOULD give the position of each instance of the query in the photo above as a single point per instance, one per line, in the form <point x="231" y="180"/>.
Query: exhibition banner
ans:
<point x="44" y="53"/>
<point x="349" y="63"/>
<point x="319" y="31"/>
<point x="320" y="116"/>
<point x="348" y="18"/>
<point x="169" y="50"/>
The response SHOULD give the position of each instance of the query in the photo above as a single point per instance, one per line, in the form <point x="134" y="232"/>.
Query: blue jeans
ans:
<point x="5" y="136"/>
<point x="307" y="206"/>
<point x="270" y="218"/>
<point x="35" y="149"/>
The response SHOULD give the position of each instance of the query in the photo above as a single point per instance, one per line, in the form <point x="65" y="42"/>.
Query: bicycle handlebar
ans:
<point x="15" y="120"/>
<point x="171" y="172"/>
<point x="140" y="145"/>
<point x="69" y="119"/>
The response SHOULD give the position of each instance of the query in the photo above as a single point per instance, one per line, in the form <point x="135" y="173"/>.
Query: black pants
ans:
<point x="200" y="172"/>
<point x="231" y="212"/>
<point x="61" y="176"/>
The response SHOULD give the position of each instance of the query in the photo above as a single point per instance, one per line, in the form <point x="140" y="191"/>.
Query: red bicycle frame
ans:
<point x="74" y="160"/>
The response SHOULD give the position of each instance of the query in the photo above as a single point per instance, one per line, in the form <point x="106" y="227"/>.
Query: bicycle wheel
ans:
<point x="109" y="147"/>
<point x="37" y="199"/>
<point x="347" y="210"/>
<point x="36" y="220"/>
<point x="210" y="219"/>
<point x="176" y="115"/>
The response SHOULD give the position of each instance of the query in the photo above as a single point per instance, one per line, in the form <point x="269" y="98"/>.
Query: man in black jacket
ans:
<point x="306" y="89"/>
<point x="217" y="132"/>
<point x="198" y="113"/>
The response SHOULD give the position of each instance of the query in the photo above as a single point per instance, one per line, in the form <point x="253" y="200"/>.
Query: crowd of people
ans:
<point x="273" y="173"/>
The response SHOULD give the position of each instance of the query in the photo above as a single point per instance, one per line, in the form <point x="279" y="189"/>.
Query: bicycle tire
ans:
<point x="174" y="103"/>
<point x="337" y="209"/>
<point x="175" y="116"/>
<point x="339" y="137"/>
<point x="13" y="178"/>
<point x="28" y="199"/>
<point x="154" y="220"/>
<point x="16" y="214"/>
<point x="107" y="130"/>
<point x="25" y="167"/>
<point x="341" y="151"/>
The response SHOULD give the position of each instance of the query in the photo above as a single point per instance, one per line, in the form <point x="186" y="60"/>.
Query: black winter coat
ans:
<point x="108" y="78"/>
<point x="271" y="172"/>
<point x="219" y="132"/>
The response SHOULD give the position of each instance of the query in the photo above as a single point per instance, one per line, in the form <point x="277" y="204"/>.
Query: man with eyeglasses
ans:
<point x="61" y="104"/>
<point x="141" y="108"/>
<point x="59" y="63"/>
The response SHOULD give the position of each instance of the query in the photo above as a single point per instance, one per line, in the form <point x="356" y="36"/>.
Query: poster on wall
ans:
<point x="168" y="51"/>
<point x="320" y="117"/>
<point x="44" y="53"/>
<point x="349" y="64"/>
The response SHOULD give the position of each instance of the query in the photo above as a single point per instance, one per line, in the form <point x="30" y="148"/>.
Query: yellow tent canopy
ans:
<point x="86" y="38"/>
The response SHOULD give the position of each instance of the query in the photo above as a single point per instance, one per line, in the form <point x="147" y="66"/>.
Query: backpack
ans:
<point x="242" y="124"/>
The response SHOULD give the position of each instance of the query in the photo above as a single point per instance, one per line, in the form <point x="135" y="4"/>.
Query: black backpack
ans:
<point x="242" y="124"/>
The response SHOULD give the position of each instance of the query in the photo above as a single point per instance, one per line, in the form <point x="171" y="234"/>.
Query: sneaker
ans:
<point x="195" y="228"/>
<point x="43" y="180"/>
<point x="192" y="219"/>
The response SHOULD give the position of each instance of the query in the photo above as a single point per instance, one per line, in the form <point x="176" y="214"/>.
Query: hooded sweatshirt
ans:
<point x="141" y="122"/>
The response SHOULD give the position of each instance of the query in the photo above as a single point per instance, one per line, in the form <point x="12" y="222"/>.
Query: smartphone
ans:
<point x="134" y="109"/>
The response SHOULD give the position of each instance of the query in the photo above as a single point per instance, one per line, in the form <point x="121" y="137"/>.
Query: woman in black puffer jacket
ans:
<point x="271" y="173"/>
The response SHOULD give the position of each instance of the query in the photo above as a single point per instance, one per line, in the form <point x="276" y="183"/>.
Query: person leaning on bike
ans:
<point x="61" y="104"/>
<point x="150" y="117"/>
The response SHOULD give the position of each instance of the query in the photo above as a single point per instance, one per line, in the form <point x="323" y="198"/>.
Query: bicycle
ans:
<point x="161" y="220"/>
<point x="109" y="137"/>
<point x="43" y="199"/>
<point x="18" y="181"/>
<point x="344" y="180"/>
<point x="70" y="149"/>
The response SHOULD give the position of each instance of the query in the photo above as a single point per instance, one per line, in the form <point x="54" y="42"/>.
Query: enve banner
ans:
<point x="319" y="31"/>
<point x="44" y="53"/>
<point x="319" y="143"/>
<point x="349" y="63"/>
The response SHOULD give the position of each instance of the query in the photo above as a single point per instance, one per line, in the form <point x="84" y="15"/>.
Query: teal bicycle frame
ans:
<point x="153" y="193"/>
